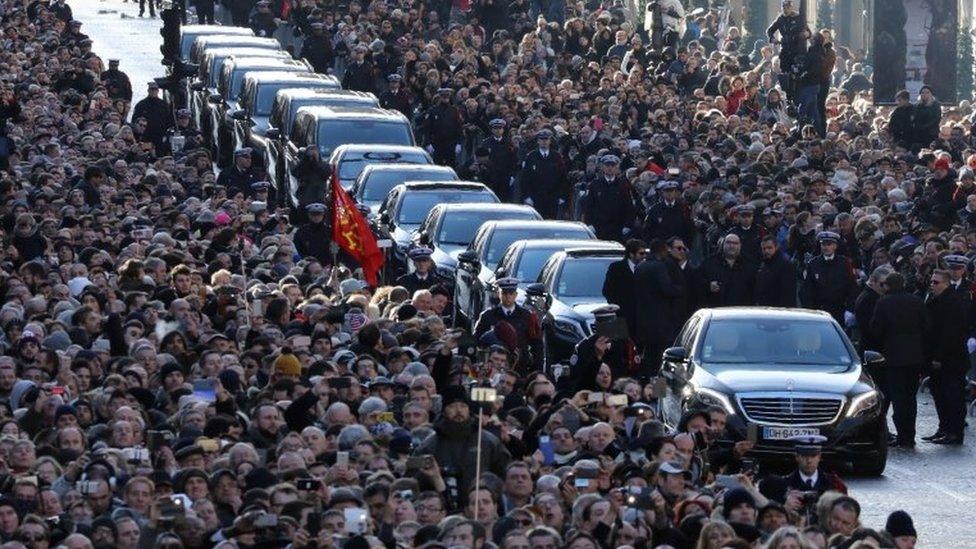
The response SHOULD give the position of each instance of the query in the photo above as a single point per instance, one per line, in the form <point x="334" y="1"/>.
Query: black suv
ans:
<point x="476" y="265"/>
<point x="283" y="112"/>
<point x="408" y="203"/>
<point x="251" y="120"/>
<point x="325" y="128"/>
<point x="229" y="86"/>
<point x="570" y="287"/>
<point x="790" y="372"/>
<point x="205" y="85"/>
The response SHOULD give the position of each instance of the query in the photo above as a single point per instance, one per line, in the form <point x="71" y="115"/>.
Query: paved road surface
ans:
<point x="936" y="485"/>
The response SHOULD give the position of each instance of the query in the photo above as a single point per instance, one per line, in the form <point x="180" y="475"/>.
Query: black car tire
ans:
<point x="874" y="465"/>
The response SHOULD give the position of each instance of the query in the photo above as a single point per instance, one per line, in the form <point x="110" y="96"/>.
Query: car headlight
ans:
<point x="569" y="329"/>
<point x="711" y="397"/>
<point x="862" y="403"/>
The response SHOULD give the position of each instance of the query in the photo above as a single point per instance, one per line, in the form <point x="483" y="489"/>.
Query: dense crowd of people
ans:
<point x="181" y="368"/>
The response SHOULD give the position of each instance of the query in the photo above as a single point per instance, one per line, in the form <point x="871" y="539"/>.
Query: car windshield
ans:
<point x="460" y="227"/>
<point x="333" y="133"/>
<point x="583" y="277"/>
<point x="774" y="342"/>
<point x="501" y="239"/>
<point x="416" y="206"/>
<point x="379" y="183"/>
<point x="353" y="163"/>
<point x="530" y="264"/>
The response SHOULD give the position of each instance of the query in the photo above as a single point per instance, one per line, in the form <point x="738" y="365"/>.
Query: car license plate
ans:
<point x="787" y="433"/>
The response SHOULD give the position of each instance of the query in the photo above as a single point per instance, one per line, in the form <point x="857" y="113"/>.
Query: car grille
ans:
<point x="790" y="409"/>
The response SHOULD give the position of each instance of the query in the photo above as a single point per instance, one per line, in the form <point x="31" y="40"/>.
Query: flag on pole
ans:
<point x="351" y="233"/>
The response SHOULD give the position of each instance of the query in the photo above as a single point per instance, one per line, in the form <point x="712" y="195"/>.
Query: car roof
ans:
<point x="485" y="207"/>
<point x="245" y="52"/>
<point x="216" y="29"/>
<point x="766" y="312"/>
<point x="603" y="250"/>
<point x="259" y="62"/>
<point x="352" y="113"/>
<point x="303" y="93"/>
<point x="402" y="167"/>
<point x="533" y="223"/>
<point x="239" y="39"/>
<point x="565" y="243"/>
<point x="363" y="147"/>
<point x="444" y="185"/>
<point x="291" y="77"/>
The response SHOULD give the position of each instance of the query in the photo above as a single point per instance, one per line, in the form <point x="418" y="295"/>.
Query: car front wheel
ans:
<point x="874" y="465"/>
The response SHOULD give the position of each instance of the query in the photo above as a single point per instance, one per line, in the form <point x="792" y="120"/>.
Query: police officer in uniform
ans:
<point x="959" y="283"/>
<point x="542" y="179"/>
<point x="525" y="322"/>
<point x="669" y="216"/>
<point x="182" y="137"/>
<point x="422" y="278"/>
<point x="312" y="238"/>
<point x="443" y="129"/>
<point x="359" y="73"/>
<point x="610" y="207"/>
<point x="828" y="282"/>
<point x="117" y="82"/>
<point x="502" y="160"/>
<point x="263" y="22"/>
<point x="395" y="97"/>
<point x="317" y="49"/>
<point x="809" y="476"/>
<point x="749" y="232"/>
<point x="238" y="178"/>
<point x="260" y="191"/>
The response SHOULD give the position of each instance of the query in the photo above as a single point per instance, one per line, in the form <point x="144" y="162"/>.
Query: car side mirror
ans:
<point x="675" y="354"/>
<point x="385" y="218"/>
<point x="501" y="272"/>
<point x="536" y="289"/>
<point x="873" y="357"/>
<point x="215" y="99"/>
<point x="239" y="114"/>
<point x="423" y="238"/>
<point x="273" y="133"/>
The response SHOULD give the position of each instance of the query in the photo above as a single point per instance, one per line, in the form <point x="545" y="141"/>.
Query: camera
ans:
<point x="809" y="499"/>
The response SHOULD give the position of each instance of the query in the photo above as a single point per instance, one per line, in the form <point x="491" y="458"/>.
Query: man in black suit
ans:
<point x="950" y="321"/>
<point x="657" y="296"/>
<point x="619" y="284"/>
<point x="776" y="278"/>
<point x="901" y="324"/>
<point x="864" y="307"/>
<point x="502" y="160"/>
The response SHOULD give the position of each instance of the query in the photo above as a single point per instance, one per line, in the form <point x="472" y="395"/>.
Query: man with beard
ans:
<point x="728" y="278"/>
<point x="456" y="434"/>
<point x="776" y="278"/>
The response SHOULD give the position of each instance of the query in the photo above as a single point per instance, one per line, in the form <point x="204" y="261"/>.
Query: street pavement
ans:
<point x="934" y="484"/>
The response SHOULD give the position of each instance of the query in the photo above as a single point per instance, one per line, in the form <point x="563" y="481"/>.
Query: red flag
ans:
<point x="351" y="232"/>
